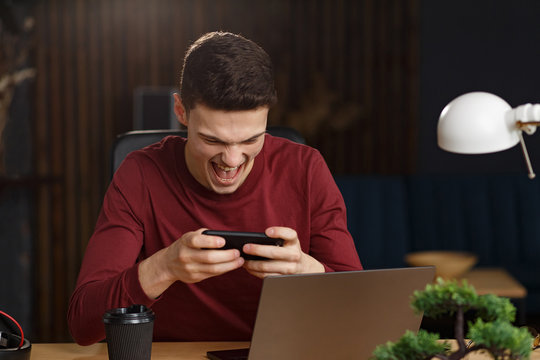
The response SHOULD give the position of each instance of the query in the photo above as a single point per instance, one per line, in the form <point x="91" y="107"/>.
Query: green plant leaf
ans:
<point x="411" y="346"/>
<point x="502" y="339"/>
<point x="444" y="298"/>
<point x="491" y="307"/>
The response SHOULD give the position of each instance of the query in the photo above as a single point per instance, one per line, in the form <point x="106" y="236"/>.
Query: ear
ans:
<point x="179" y="110"/>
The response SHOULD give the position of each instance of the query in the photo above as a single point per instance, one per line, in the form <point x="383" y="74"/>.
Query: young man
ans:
<point x="148" y="247"/>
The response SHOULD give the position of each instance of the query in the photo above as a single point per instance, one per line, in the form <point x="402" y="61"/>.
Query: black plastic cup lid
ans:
<point x="135" y="314"/>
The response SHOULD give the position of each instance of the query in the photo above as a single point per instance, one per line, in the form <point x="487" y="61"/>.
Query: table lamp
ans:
<point x="480" y="122"/>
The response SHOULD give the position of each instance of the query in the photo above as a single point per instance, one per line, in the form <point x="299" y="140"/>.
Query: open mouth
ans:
<point x="224" y="174"/>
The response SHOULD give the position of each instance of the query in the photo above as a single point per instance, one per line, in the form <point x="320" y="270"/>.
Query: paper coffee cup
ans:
<point x="129" y="332"/>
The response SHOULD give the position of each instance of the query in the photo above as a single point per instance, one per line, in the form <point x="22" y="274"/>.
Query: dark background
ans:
<point x="476" y="46"/>
<point x="364" y="81"/>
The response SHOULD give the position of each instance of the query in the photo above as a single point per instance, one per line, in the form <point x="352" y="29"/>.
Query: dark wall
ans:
<point x="346" y="73"/>
<point x="480" y="45"/>
<point x="17" y="182"/>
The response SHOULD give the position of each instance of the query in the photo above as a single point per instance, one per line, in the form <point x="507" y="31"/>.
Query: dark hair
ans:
<point x="226" y="71"/>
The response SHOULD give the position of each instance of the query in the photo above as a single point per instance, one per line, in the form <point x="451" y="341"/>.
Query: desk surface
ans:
<point x="160" y="351"/>
<point x="495" y="281"/>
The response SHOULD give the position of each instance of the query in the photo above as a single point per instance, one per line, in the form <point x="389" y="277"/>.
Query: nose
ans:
<point x="233" y="156"/>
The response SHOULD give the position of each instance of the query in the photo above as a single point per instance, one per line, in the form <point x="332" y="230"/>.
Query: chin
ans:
<point x="225" y="191"/>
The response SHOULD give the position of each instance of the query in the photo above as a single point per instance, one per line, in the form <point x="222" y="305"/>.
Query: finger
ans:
<point x="272" y="252"/>
<point x="270" y="267"/>
<point x="197" y="240"/>
<point x="196" y="272"/>
<point x="259" y="274"/>
<point x="285" y="233"/>
<point x="209" y="256"/>
<point x="221" y="268"/>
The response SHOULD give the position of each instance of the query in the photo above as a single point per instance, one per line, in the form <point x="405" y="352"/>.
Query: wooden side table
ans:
<point x="499" y="282"/>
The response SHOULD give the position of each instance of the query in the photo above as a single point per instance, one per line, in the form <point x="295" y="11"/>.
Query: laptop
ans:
<point x="342" y="315"/>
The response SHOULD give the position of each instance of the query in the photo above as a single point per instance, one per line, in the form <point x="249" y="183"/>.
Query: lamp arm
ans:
<point x="532" y="175"/>
<point x="527" y="117"/>
<point x="529" y="127"/>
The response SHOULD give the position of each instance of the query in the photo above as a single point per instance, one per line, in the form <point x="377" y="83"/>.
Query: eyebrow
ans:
<point x="213" y="138"/>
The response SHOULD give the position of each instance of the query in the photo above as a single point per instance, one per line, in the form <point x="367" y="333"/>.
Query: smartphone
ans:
<point x="235" y="354"/>
<point x="237" y="239"/>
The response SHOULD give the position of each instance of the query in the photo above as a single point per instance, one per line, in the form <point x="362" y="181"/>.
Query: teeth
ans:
<point x="225" y="168"/>
<point x="226" y="180"/>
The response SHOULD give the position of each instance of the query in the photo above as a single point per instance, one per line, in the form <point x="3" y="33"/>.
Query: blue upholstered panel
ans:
<point x="495" y="216"/>
<point x="377" y="216"/>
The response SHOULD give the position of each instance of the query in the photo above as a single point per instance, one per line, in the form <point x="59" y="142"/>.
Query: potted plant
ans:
<point x="490" y="331"/>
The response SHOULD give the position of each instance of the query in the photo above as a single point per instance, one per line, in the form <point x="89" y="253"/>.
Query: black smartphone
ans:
<point x="237" y="239"/>
<point x="235" y="354"/>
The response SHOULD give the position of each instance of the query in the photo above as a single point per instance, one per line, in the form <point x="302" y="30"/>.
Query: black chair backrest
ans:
<point x="134" y="140"/>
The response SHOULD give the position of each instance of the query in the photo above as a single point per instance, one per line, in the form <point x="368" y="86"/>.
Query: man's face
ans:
<point x="222" y="145"/>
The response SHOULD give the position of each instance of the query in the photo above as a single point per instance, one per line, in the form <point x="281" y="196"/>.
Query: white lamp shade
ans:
<point x="476" y="123"/>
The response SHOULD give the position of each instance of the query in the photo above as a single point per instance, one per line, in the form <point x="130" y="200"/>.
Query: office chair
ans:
<point x="134" y="140"/>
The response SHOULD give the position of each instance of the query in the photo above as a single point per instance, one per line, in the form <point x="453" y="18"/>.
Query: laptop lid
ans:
<point x="342" y="315"/>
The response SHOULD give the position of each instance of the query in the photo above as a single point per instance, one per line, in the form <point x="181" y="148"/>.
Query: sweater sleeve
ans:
<point x="331" y="242"/>
<point x="109" y="272"/>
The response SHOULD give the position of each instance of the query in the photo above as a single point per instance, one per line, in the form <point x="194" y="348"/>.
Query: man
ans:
<point x="148" y="247"/>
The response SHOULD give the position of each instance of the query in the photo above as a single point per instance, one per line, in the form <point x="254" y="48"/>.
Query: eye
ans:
<point x="211" y="141"/>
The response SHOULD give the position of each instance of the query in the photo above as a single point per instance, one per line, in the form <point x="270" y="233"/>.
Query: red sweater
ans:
<point x="153" y="200"/>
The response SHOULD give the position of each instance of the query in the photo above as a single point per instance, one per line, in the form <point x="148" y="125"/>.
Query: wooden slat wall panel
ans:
<point x="91" y="55"/>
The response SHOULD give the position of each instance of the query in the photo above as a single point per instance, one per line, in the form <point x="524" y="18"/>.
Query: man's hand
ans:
<point x="189" y="259"/>
<point x="287" y="259"/>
